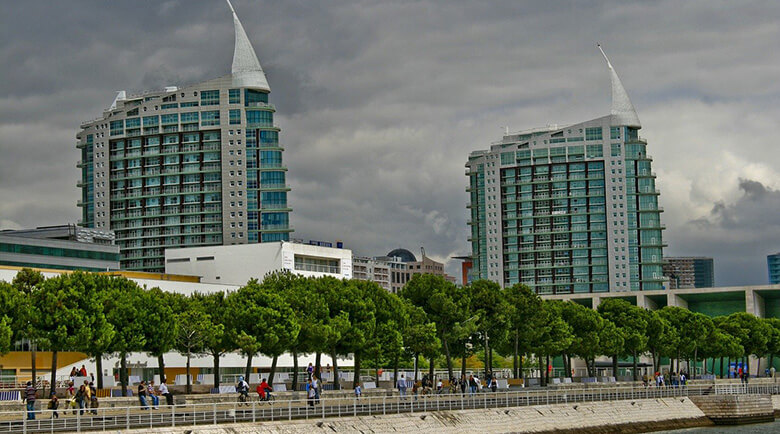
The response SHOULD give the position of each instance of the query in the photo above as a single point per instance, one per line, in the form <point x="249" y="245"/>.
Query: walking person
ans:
<point x="81" y="396"/>
<point x="164" y="392"/>
<point x="54" y="404"/>
<point x="93" y="399"/>
<point x="358" y="391"/>
<point x="472" y="385"/>
<point x="310" y="393"/>
<point x="30" y="393"/>
<point x="401" y="385"/>
<point x="316" y="384"/>
<point x="463" y="383"/>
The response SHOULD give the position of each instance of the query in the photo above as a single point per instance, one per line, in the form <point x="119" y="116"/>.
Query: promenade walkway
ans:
<point x="230" y="411"/>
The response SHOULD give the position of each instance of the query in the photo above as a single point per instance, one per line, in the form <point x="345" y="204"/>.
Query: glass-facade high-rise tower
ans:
<point x="191" y="166"/>
<point x="568" y="209"/>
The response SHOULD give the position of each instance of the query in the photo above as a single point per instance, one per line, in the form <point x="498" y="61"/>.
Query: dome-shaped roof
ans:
<point x="405" y="255"/>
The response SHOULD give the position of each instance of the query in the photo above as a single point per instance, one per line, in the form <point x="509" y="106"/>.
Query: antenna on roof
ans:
<point x="506" y="130"/>
<point x="605" y="56"/>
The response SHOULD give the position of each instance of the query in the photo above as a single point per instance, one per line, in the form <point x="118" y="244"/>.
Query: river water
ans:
<point x="771" y="427"/>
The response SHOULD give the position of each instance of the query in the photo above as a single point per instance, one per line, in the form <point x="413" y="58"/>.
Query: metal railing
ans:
<point x="230" y="410"/>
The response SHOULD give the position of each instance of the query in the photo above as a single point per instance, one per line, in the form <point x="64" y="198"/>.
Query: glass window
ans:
<point x="593" y="133"/>
<point x="259" y="118"/>
<point x="235" y="117"/>
<point x="117" y="128"/>
<point x="151" y="121"/>
<point x="189" y="117"/>
<point x="209" y="97"/>
<point x="614" y="133"/>
<point x="133" y="123"/>
<point x="170" y="119"/>
<point x="209" y="118"/>
<point x="254" y="98"/>
<point x="234" y="96"/>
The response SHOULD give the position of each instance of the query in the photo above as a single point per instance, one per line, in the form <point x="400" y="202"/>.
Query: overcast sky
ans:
<point x="380" y="103"/>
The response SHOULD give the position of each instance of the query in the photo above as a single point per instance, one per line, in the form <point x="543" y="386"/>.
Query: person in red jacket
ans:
<point x="262" y="388"/>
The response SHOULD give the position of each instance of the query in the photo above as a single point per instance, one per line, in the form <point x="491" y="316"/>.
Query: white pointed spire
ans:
<point x="246" y="70"/>
<point x="622" y="109"/>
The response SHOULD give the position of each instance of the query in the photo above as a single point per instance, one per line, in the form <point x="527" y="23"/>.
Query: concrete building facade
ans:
<point x="191" y="166"/>
<point x="236" y="265"/>
<point x="568" y="209"/>
<point x="689" y="272"/>
<point x="64" y="247"/>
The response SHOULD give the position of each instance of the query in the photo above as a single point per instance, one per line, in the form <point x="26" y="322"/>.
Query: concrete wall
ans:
<point x="600" y="417"/>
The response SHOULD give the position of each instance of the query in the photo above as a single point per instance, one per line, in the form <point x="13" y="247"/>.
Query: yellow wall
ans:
<point x="20" y="361"/>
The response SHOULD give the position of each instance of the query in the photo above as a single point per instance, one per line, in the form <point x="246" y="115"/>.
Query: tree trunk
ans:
<point x="336" y="381"/>
<point x="463" y="365"/>
<point x="216" y="357"/>
<point x="395" y="370"/>
<point x="356" y="377"/>
<point x="123" y="372"/>
<point x="721" y="367"/>
<point x="570" y="369"/>
<point x="547" y="370"/>
<point x="758" y="367"/>
<point x="541" y="371"/>
<point x="376" y="367"/>
<point x="317" y="364"/>
<point x="53" y="383"/>
<point x="187" y="373"/>
<point x="615" y="366"/>
<point x="449" y="359"/>
<point x="487" y="356"/>
<point x="33" y="364"/>
<point x="99" y="368"/>
<point x="520" y="366"/>
<point x="655" y="360"/>
<point x="430" y="368"/>
<point x="295" y="370"/>
<point x="515" y="357"/>
<point x="416" y="365"/>
<point x="160" y="367"/>
<point x="634" y="367"/>
<point x="273" y="371"/>
<point x="248" y="367"/>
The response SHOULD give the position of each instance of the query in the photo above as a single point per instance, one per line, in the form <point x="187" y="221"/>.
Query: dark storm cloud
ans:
<point x="380" y="103"/>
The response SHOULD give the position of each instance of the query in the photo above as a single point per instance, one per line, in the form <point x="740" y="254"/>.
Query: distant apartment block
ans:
<point x="187" y="166"/>
<point x="773" y="265"/>
<point x="689" y="272"/>
<point x="568" y="209"/>
<point x="64" y="247"/>
<point x="395" y="269"/>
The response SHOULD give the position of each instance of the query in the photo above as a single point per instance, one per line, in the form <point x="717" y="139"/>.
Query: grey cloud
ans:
<point x="381" y="102"/>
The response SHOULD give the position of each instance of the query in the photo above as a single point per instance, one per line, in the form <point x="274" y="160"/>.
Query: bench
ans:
<point x="104" y="393"/>
<point x="280" y="387"/>
<point x="181" y="380"/>
<point x="117" y="393"/>
<point x="502" y="383"/>
<point x="567" y="380"/>
<point x="589" y="380"/>
<point x="369" y="385"/>
<point x="133" y="380"/>
<point x="205" y="378"/>
<point x="10" y="395"/>
<point x="224" y="389"/>
<point x="556" y="381"/>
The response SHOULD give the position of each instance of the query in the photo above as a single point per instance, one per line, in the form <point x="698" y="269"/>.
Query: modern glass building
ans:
<point x="568" y="209"/>
<point x="689" y="272"/>
<point x="64" y="247"/>
<point x="773" y="265"/>
<point x="192" y="166"/>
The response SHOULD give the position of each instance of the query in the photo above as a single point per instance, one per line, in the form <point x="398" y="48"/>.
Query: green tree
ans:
<point x="9" y="301"/>
<point x="194" y="332"/>
<point x="27" y="282"/>
<point x="586" y="325"/>
<point x="160" y="325"/>
<point x="552" y="336"/>
<point x="70" y="315"/>
<point x="523" y="315"/>
<point x="489" y="305"/>
<point x="610" y="342"/>
<point x="419" y="336"/>
<point x="630" y="321"/>
<point x="659" y="336"/>
<point x="336" y="324"/>
<point x="385" y="342"/>
<point x="445" y="304"/>
<point x="312" y="316"/>
<point x="773" y="343"/>
<point x="123" y="304"/>
<point x="281" y="330"/>
<point x="219" y="340"/>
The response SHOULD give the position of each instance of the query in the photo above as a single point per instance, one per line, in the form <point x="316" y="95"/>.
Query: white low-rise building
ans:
<point x="237" y="264"/>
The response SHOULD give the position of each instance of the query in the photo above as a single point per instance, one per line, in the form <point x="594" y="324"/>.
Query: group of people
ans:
<point x="147" y="390"/>
<point x="660" y="380"/>
<point x="263" y="390"/>
<point x="471" y="383"/>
